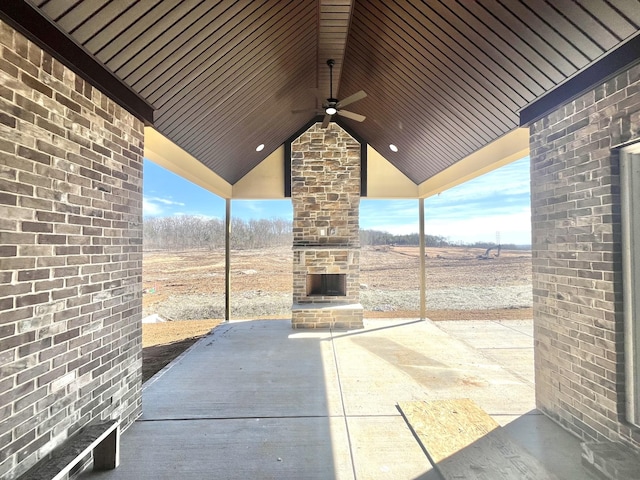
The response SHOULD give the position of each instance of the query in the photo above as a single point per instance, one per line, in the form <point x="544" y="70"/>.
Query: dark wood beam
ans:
<point x="596" y="74"/>
<point x="287" y="169"/>
<point x="29" y="21"/>
<point x="363" y="169"/>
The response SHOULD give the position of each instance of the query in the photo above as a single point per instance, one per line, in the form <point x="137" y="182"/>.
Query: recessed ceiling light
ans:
<point x="393" y="148"/>
<point x="260" y="147"/>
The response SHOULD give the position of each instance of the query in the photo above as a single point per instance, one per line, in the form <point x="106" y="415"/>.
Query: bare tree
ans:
<point x="187" y="232"/>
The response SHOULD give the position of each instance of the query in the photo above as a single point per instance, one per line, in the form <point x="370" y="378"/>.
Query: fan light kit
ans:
<point x="333" y="106"/>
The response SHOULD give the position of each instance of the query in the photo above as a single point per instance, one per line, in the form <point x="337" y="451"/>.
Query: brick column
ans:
<point x="577" y="267"/>
<point x="70" y="255"/>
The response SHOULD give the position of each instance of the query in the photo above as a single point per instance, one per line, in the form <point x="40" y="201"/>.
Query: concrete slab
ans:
<point x="522" y="326"/>
<point x="370" y="384"/>
<point x="289" y="448"/>
<point x="256" y="399"/>
<point x="557" y="449"/>
<point x="490" y="334"/>
<point x="508" y="343"/>
<point x="385" y="448"/>
<point x="249" y="369"/>
<point x="403" y="361"/>
<point x="517" y="361"/>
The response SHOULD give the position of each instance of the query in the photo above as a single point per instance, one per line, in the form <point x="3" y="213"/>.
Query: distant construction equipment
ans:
<point x="486" y="256"/>
<point x="497" y="247"/>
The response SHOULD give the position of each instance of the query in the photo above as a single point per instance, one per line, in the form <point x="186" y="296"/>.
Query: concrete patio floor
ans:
<point x="256" y="399"/>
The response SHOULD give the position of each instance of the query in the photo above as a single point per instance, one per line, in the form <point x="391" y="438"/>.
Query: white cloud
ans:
<point x="200" y="216"/>
<point x="514" y="227"/>
<point x="473" y="211"/>
<point x="254" y="206"/>
<point x="396" y="229"/>
<point x="375" y="213"/>
<point x="155" y="206"/>
<point x="150" y="208"/>
<point x="512" y="179"/>
<point x="165" y="201"/>
<point x="262" y="208"/>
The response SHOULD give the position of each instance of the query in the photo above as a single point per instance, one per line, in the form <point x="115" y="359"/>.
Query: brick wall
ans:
<point x="70" y="255"/>
<point x="575" y="198"/>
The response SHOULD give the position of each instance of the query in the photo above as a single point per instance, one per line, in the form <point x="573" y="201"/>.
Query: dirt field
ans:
<point x="190" y="286"/>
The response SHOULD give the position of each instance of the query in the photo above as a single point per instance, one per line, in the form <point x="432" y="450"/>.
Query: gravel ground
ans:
<point x="461" y="298"/>
<point x="188" y="285"/>
<point x="258" y="303"/>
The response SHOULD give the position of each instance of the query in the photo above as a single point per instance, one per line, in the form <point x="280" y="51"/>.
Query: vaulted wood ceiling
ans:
<point x="443" y="78"/>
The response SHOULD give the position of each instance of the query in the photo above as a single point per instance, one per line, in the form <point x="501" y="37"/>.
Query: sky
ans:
<point x="474" y="211"/>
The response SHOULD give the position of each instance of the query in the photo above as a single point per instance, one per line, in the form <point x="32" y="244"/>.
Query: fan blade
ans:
<point x="325" y="122"/>
<point x="351" y="98"/>
<point x="353" y="116"/>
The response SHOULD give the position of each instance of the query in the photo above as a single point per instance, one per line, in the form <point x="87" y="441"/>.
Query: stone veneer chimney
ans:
<point x="325" y="191"/>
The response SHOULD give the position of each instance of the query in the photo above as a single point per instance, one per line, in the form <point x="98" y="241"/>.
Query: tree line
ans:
<point x="376" y="237"/>
<point x="183" y="232"/>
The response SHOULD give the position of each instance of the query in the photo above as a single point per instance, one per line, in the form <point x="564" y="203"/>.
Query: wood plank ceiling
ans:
<point x="443" y="78"/>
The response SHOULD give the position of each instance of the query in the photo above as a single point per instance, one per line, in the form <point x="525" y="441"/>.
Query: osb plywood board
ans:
<point x="463" y="442"/>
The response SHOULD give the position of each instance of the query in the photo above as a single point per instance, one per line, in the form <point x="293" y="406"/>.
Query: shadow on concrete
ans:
<point x="249" y="400"/>
<point x="256" y="399"/>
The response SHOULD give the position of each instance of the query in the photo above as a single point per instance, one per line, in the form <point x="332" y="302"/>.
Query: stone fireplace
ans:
<point x="325" y="192"/>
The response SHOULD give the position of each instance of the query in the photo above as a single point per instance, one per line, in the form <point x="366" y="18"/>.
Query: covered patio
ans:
<point x="219" y="92"/>
<point x="254" y="399"/>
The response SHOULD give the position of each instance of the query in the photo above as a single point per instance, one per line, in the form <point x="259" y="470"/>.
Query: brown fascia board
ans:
<point x="616" y="61"/>
<point x="29" y="21"/>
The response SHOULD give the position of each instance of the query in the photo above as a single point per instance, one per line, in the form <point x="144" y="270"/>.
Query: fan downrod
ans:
<point x="332" y="101"/>
<point x="334" y="106"/>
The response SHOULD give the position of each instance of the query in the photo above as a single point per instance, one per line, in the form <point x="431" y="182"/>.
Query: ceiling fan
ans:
<point x="333" y="106"/>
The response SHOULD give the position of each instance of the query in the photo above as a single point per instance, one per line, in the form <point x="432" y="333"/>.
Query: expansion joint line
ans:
<point x="344" y="410"/>
<point x="199" y="419"/>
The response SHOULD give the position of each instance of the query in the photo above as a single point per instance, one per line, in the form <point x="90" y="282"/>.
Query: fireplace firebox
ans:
<point x="327" y="284"/>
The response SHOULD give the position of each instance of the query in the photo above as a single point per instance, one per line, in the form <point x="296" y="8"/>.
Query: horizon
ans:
<point x="496" y="204"/>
